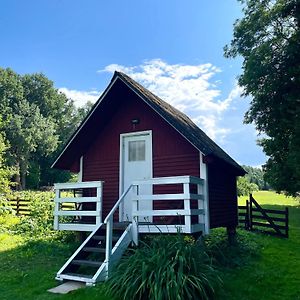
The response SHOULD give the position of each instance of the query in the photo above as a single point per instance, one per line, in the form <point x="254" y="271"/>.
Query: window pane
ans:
<point x="136" y="151"/>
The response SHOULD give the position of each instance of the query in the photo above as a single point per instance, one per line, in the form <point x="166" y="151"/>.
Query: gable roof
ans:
<point x="178" y="120"/>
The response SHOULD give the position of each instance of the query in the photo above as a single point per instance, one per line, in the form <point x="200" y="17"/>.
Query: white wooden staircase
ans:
<point x="95" y="257"/>
<point x="88" y="263"/>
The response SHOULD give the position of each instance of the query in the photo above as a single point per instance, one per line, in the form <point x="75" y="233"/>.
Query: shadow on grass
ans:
<point x="274" y="275"/>
<point x="28" y="270"/>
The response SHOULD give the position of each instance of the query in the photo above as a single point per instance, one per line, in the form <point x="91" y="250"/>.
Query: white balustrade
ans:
<point x="76" y="212"/>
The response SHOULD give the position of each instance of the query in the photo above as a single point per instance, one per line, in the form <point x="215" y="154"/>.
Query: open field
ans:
<point x="28" y="267"/>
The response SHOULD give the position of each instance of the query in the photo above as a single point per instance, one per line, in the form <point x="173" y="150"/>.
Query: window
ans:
<point x="136" y="150"/>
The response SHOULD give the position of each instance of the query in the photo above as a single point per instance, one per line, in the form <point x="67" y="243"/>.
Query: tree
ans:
<point x="5" y="172"/>
<point x="268" y="39"/>
<point x="244" y="187"/>
<point x="256" y="175"/>
<point x="29" y="133"/>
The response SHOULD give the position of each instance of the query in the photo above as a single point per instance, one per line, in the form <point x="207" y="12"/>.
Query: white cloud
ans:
<point x="81" y="97"/>
<point x="190" y="88"/>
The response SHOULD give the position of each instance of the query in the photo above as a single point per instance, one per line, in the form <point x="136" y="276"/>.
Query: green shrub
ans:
<point x="40" y="218"/>
<point x="225" y="254"/>
<point x="166" y="267"/>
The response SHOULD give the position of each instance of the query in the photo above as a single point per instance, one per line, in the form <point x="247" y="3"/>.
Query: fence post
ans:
<point x="247" y="216"/>
<point x="18" y="206"/>
<point x="250" y="213"/>
<point x="287" y="222"/>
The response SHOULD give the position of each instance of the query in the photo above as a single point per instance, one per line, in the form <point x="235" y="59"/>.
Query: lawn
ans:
<point x="28" y="266"/>
<point x="275" y="274"/>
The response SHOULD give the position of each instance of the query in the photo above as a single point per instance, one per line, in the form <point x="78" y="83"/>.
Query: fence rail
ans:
<point x="253" y="217"/>
<point x="20" y="206"/>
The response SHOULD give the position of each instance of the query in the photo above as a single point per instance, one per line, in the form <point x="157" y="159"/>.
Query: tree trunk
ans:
<point x="18" y="177"/>
<point x="23" y="173"/>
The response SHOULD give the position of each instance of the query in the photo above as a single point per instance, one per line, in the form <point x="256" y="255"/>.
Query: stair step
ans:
<point x="89" y="263"/>
<point x="94" y="249"/>
<point x="103" y="238"/>
<point x="79" y="276"/>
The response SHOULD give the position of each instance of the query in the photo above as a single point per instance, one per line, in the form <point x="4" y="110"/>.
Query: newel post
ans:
<point x="108" y="247"/>
<point x="135" y="220"/>
<point x="187" y="208"/>
<point x="56" y="208"/>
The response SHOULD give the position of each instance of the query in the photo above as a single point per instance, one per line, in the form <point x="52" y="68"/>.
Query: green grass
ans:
<point x="28" y="266"/>
<point x="275" y="274"/>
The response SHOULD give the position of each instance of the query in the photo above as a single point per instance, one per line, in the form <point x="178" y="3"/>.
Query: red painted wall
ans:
<point x="222" y="196"/>
<point x="173" y="155"/>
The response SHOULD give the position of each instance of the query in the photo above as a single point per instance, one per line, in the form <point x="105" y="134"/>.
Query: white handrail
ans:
<point x="109" y="230"/>
<point x="113" y="210"/>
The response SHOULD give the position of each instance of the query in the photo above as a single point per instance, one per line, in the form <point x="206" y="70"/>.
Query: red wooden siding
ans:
<point x="222" y="196"/>
<point x="173" y="155"/>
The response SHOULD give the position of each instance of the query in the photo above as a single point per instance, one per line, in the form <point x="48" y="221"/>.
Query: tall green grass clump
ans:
<point x="165" y="267"/>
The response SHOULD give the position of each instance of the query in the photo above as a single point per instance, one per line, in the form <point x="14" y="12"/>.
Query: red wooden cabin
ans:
<point x="176" y="175"/>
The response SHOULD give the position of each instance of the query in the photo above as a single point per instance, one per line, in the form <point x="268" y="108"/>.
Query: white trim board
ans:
<point x="204" y="175"/>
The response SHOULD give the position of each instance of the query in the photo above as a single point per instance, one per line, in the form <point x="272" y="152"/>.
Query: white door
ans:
<point x="136" y="164"/>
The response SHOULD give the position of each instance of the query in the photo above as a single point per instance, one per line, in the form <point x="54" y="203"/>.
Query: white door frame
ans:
<point x="121" y="164"/>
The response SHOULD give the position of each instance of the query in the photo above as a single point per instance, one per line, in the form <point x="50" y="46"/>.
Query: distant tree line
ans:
<point x="35" y="122"/>
<point x="253" y="181"/>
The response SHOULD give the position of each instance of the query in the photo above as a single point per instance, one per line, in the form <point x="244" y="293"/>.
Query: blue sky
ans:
<point x="173" y="47"/>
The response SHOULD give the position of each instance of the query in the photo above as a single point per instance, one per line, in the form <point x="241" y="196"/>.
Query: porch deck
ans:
<point x="191" y="216"/>
<point x="110" y="238"/>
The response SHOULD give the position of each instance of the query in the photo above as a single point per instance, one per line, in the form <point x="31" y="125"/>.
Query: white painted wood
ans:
<point x="205" y="204"/>
<point x="77" y="185"/>
<point x="134" y="220"/>
<point x="164" y="212"/>
<point x="162" y="197"/>
<point x="198" y="227"/>
<point x="197" y="212"/>
<point x="108" y="246"/>
<point x="169" y="212"/>
<point x="77" y="251"/>
<point x="187" y="207"/>
<point x="99" y="205"/>
<point x="76" y="227"/>
<point x="131" y="170"/>
<point x="75" y="278"/>
<point x="169" y="180"/>
<point x="118" y="203"/>
<point x="56" y="209"/>
<point x="120" y="247"/>
<point x="77" y="199"/>
<point x="80" y="174"/>
<point x="77" y="213"/>
<point x="162" y="228"/>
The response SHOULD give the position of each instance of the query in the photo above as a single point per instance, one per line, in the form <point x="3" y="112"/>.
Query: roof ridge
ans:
<point x="211" y="147"/>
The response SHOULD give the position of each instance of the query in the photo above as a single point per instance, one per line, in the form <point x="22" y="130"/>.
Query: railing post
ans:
<point x="187" y="207"/>
<point x="56" y="209"/>
<point x="109" y="231"/>
<point x="99" y="204"/>
<point x="135" y="220"/>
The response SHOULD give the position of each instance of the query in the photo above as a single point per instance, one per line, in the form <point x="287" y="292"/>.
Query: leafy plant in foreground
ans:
<point x="166" y="267"/>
